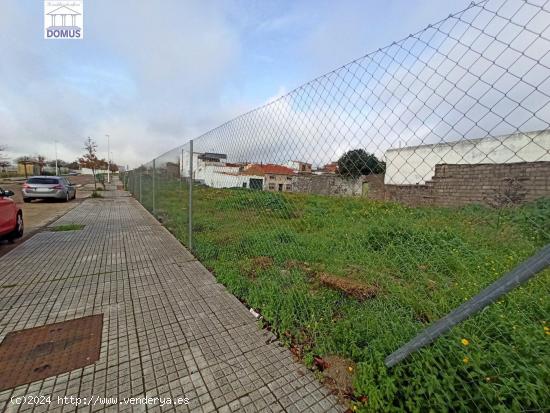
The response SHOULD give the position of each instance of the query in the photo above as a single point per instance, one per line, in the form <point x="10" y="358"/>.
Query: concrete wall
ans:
<point x="416" y="165"/>
<point x="373" y="187"/>
<point x="88" y="171"/>
<point x="496" y="185"/>
<point x="329" y="184"/>
<point x="218" y="175"/>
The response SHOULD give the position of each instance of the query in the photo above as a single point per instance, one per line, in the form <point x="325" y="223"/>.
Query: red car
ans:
<point x="11" y="217"/>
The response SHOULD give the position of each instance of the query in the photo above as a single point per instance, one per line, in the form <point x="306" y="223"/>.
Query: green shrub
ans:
<point x="267" y="203"/>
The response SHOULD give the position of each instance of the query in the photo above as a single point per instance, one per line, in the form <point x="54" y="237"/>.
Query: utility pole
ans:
<point x="56" y="169"/>
<point x="108" y="158"/>
<point x="190" y="235"/>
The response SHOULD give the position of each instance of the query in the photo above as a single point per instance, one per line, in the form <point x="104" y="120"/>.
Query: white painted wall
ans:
<point x="88" y="171"/>
<point x="416" y="165"/>
<point x="218" y="178"/>
<point x="185" y="163"/>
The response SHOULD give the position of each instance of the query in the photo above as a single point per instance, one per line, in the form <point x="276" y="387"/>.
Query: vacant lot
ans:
<point x="356" y="279"/>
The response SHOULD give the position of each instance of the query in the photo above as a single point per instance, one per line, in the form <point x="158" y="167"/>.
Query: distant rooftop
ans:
<point x="211" y="155"/>
<point x="266" y="169"/>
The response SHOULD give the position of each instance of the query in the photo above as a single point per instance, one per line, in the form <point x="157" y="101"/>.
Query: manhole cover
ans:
<point x="40" y="352"/>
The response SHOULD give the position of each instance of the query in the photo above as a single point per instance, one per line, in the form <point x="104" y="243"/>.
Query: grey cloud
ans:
<point x="143" y="73"/>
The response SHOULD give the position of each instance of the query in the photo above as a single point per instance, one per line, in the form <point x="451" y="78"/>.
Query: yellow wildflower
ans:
<point x="546" y="328"/>
<point x="465" y="341"/>
<point x="466" y="360"/>
<point x="350" y="369"/>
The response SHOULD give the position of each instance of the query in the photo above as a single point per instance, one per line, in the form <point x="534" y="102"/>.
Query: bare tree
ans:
<point x="90" y="159"/>
<point x="4" y="162"/>
<point x="41" y="160"/>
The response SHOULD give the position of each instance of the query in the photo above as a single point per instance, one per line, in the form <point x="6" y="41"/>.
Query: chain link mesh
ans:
<point x="366" y="204"/>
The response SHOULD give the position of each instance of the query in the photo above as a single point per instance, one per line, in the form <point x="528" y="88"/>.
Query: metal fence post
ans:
<point x="181" y="169"/>
<point x="154" y="187"/>
<point x="191" y="194"/>
<point x="520" y="274"/>
<point x="140" y="188"/>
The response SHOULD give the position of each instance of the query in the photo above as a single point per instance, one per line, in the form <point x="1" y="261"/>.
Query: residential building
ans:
<point x="299" y="166"/>
<point x="213" y="170"/>
<point x="277" y="178"/>
<point x="329" y="168"/>
<point x="200" y="162"/>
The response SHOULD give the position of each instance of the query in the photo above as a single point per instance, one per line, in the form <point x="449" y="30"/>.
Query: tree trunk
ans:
<point x="95" y="183"/>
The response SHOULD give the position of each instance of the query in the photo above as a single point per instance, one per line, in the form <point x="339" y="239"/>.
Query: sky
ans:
<point x="152" y="75"/>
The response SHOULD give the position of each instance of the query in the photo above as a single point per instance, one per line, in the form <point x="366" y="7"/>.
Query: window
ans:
<point x="272" y="187"/>
<point x="288" y="178"/>
<point x="43" y="181"/>
<point x="244" y="184"/>
<point x="271" y="176"/>
<point x="289" y="187"/>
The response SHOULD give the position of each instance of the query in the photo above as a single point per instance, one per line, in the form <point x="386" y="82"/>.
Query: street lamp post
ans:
<point x="56" y="169"/>
<point x="108" y="158"/>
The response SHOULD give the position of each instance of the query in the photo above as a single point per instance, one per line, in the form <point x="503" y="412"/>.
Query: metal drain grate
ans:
<point x="40" y="352"/>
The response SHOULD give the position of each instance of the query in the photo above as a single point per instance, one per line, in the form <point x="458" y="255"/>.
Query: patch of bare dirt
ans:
<point x="310" y="269"/>
<point x="262" y="263"/>
<point x="258" y="264"/>
<point x="356" y="289"/>
<point x="353" y="288"/>
<point x="422" y="317"/>
<point x="337" y="375"/>
<point x="299" y="265"/>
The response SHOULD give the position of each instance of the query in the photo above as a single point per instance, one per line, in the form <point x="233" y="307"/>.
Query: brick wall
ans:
<point x="455" y="185"/>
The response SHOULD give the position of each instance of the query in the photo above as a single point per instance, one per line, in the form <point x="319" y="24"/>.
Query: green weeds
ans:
<point x="274" y="250"/>
<point x="67" y="227"/>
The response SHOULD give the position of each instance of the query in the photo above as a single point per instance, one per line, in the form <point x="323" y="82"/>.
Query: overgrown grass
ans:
<point x="423" y="262"/>
<point x="67" y="227"/>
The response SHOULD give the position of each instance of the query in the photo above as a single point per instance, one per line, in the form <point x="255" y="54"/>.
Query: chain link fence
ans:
<point x="362" y="207"/>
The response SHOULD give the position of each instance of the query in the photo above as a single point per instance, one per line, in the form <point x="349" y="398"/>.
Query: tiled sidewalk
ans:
<point x="169" y="329"/>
